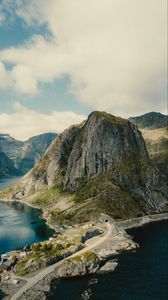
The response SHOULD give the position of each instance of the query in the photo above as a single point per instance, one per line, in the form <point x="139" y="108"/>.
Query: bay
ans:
<point x="20" y="224"/>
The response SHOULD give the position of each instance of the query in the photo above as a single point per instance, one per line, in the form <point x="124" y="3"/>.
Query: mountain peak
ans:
<point x="106" y="117"/>
<point x="150" y="120"/>
<point x="105" y="159"/>
<point x="102" y="143"/>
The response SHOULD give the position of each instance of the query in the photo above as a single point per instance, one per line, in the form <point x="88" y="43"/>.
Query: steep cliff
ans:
<point x="154" y="128"/>
<point x="104" y="158"/>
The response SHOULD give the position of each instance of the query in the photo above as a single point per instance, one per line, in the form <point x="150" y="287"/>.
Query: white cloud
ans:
<point x="4" y="79"/>
<point x="114" y="51"/>
<point x="23" y="122"/>
<point x="2" y="19"/>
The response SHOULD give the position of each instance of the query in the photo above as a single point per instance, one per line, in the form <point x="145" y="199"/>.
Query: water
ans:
<point x="142" y="275"/>
<point x="20" y="225"/>
<point x="4" y="182"/>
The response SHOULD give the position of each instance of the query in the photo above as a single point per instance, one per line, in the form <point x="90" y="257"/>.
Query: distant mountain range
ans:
<point x="6" y="166"/>
<point x="18" y="157"/>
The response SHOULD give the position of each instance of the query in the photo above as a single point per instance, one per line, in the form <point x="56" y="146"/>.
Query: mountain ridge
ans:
<point x="25" y="154"/>
<point x="151" y="120"/>
<point x="6" y="166"/>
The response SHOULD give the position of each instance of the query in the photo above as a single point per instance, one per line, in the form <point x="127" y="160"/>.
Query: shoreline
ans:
<point x="123" y="224"/>
<point x="43" y="211"/>
<point x="141" y="221"/>
<point x="121" y="227"/>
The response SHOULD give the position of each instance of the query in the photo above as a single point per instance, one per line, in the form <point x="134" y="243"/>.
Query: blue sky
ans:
<point x="59" y="60"/>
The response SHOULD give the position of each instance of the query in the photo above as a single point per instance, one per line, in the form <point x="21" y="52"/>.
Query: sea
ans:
<point x="141" y="274"/>
<point x="20" y="224"/>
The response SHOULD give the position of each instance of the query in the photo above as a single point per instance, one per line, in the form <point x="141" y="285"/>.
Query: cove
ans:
<point x="20" y="224"/>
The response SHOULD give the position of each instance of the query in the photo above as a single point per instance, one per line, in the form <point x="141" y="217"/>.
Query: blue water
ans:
<point x="5" y="182"/>
<point x="142" y="275"/>
<point x="20" y="225"/>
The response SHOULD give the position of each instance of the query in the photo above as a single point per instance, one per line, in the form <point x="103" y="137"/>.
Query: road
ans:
<point x="34" y="280"/>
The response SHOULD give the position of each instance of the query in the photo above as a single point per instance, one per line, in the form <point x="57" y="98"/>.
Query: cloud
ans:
<point x="4" y="79"/>
<point x="2" y="18"/>
<point x="23" y="122"/>
<point x="114" y="51"/>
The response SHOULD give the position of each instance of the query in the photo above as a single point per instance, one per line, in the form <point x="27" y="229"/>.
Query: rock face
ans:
<point x="105" y="142"/>
<point x="90" y="234"/>
<point x="6" y="166"/>
<point x="154" y="128"/>
<point x="108" y="267"/>
<point x="104" y="156"/>
<point x="24" y="155"/>
<point x="85" y="264"/>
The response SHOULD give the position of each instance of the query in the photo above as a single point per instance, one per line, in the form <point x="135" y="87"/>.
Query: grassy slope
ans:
<point x="157" y="144"/>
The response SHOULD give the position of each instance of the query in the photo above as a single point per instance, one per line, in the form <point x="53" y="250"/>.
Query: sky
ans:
<point x="62" y="59"/>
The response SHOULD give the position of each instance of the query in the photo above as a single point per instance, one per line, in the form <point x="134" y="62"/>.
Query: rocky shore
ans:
<point x="89" y="262"/>
<point x="137" y="222"/>
<point x="99" y="261"/>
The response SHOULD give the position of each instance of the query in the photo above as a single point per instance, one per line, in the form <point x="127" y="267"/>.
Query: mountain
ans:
<point x="6" y="166"/>
<point x="24" y="155"/>
<point x="154" y="128"/>
<point x="151" y="120"/>
<point x="11" y="147"/>
<point x="33" y="149"/>
<point x="104" y="165"/>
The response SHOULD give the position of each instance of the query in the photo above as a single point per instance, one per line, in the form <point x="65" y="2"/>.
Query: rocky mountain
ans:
<point x="33" y="149"/>
<point x="154" y="128"/>
<point x="6" y="166"/>
<point x="105" y="165"/>
<point x="151" y="120"/>
<point x="11" y="147"/>
<point x="24" y="155"/>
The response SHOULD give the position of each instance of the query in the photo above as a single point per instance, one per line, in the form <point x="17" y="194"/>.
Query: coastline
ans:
<point x="42" y="210"/>
<point x="141" y="221"/>
<point x="125" y="244"/>
<point x="123" y="224"/>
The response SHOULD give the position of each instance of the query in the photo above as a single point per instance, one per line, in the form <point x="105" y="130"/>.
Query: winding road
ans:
<point x="34" y="280"/>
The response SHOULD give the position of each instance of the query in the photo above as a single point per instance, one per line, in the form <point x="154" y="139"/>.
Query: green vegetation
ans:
<point x="46" y="197"/>
<point x="101" y="194"/>
<point x="41" y="165"/>
<point x="5" y="193"/>
<point x="40" y="253"/>
<point x="57" y="216"/>
<point x="110" y="118"/>
<point x="105" y="197"/>
<point x="54" y="213"/>
<point x="87" y="256"/>
<point x="43" y="253"/>
<point x="161" y="161"/>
